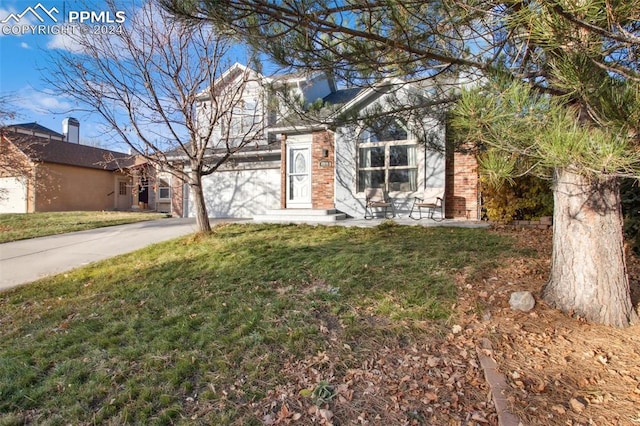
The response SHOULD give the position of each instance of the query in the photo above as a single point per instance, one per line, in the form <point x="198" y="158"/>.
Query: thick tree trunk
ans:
<point x="199" y="203"/>
<point x="588" y="271"/>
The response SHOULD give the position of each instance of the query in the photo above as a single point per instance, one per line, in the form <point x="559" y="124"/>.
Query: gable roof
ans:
<point x="35" y="128"/>
<point x="48" y="150"/>
<point x="320" y="118"/>
<point x="278" y="79"/>
<point x="342" y="96"/>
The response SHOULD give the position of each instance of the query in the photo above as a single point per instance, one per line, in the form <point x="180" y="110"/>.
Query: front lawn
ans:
<point x="254" y="324"/>
<point x="30" y="225"/>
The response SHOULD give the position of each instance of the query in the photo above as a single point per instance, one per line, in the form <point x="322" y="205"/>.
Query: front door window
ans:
<point x="299" y="177"/>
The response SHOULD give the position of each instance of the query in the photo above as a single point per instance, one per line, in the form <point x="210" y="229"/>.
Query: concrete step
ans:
<point x="299" y="216"/>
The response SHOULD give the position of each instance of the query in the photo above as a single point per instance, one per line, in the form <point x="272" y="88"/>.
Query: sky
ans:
<point x="23" y="60"/>
<point x="27" y="39"/>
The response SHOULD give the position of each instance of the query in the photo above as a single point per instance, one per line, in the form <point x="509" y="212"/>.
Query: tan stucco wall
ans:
<point x="68" y="188"/>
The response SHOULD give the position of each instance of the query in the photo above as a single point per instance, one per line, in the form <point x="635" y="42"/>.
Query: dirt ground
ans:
<point x="560" y="370"/>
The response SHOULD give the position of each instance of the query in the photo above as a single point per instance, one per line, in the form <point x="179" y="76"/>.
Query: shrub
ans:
<point x="520" y="198"/>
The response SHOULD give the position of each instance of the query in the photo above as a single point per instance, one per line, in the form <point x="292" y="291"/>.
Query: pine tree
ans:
<point x="565" y="72"/>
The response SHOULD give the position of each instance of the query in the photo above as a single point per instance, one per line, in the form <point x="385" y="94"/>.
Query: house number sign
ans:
<point x="325" y="163"/>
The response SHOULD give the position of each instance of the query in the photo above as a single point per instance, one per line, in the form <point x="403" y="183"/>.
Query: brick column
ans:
<point x="322" y="170"/>
<point x="461" y="185"/>
<point x="177" y="196"/>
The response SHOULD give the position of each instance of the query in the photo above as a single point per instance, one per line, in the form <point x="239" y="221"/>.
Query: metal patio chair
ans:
<point x="432" y="200"/>
<point x="377" y="198"/>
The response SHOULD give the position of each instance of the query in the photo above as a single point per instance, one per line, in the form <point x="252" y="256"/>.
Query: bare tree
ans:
<point x="157" y="83"/>
<point x="14" y="148"/>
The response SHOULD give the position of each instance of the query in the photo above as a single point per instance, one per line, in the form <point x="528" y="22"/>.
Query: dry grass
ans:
<point x="253" y="324"/>
<point x="20" y="226"/>
<point x="301" y="325"/>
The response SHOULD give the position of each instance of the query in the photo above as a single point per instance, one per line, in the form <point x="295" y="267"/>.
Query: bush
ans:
<point x="521" y="198"/>
<point x="630" y="195"/>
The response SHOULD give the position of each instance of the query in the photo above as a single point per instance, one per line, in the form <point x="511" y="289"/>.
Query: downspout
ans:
<point x="33" y="188"/>
<point x="185" y="200"/>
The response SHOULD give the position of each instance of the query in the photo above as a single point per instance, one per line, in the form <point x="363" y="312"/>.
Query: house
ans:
<point x="44" y="171"/>
<point x="319" y="164"/>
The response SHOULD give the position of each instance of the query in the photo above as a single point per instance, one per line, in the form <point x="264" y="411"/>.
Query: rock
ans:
<point x="578" y="404"/>
<point x="522" y="301"/>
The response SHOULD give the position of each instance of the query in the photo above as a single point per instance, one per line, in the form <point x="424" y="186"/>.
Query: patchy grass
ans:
<point x="254" y="324"/>
<point x="22" y="226"/>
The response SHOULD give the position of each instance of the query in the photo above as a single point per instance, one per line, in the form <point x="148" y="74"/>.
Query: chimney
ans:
<point x="71" y="130"/>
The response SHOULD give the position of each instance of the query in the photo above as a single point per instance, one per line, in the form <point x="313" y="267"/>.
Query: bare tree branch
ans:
<point x="149" y="83"/>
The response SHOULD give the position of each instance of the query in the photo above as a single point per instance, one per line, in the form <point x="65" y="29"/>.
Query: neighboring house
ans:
<point x="319" y="167"/>
<point x="45" y="171"/>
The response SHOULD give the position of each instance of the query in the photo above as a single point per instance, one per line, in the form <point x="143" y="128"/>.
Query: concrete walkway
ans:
<point x="25" y="261"/>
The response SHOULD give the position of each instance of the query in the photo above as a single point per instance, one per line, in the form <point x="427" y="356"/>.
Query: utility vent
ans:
<point x="71" y="130"/>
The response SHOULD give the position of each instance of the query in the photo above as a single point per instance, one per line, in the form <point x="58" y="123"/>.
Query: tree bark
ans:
<point x="588" y="270"/>
<point x="199" y="203"/>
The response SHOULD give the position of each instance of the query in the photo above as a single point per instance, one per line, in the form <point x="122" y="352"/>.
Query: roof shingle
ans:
<point x="40" y="149"/>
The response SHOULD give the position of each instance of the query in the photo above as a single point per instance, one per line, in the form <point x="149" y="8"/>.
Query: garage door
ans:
<point x="240" y="193"/>
<point x="13" y="195"/>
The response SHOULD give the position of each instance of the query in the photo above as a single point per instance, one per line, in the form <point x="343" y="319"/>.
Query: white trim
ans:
<point x="297" y="143"/>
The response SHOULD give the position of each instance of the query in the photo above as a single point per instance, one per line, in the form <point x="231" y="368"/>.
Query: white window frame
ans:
<point x="166" y="178"/>
<point x="245" y="118"/>
<point x="364" y="143"/>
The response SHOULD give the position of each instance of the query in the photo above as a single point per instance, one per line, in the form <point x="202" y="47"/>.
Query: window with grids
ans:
<point x="387" y="157"/>
<point x="164" y="188"/>
<point x="245" y="119"/>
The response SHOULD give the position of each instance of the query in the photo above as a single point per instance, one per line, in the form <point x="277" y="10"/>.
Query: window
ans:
<point x="122" y="188"/>
<point x="164" y="189"/>
<point x="245" y="119"/>
<point x="386" y="157"/>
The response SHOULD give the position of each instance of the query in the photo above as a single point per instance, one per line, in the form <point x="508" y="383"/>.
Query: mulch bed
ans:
<point x="559" y="370"/>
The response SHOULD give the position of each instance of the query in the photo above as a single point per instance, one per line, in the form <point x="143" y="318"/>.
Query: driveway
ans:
<point x="25" y="261"/>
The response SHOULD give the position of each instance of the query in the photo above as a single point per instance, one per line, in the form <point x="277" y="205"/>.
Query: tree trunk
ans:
<point x="199" y="203"/>
<point x="588" y="271"/>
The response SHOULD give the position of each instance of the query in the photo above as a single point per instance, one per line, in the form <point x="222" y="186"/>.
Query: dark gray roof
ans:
<point x="42" y="149"/>
<point x="37" y="128"/>
<point x="342" y="96"/>
<point x="322" y="117"/>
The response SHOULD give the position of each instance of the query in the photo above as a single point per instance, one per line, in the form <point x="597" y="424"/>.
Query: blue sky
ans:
<point x="23" y="59"/>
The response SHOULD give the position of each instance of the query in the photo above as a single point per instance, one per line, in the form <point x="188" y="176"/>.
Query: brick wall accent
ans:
<point x="177" y="197"/>
<point x="322" y="170"/>
<point x="461" y="185"/>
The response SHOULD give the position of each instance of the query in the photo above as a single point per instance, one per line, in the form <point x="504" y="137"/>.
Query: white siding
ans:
<point x="13" y="195"/>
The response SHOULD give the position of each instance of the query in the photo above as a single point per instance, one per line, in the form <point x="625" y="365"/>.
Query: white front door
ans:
<point x="299" y="176"/>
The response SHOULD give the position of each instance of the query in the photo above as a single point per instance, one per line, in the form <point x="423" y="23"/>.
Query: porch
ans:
<point x="333" y="218"/>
